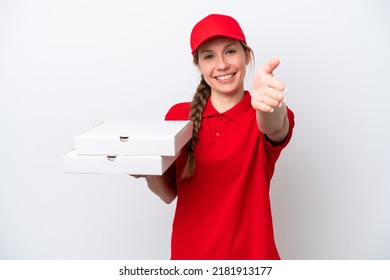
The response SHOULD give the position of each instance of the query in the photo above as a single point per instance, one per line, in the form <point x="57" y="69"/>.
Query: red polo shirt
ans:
<point x="224" y="211"/>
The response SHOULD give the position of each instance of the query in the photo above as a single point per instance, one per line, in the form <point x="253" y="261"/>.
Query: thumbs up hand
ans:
<point x="267" y="91"/>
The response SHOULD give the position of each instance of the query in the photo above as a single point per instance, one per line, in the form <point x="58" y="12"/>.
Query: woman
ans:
<point x="222" y="180"/>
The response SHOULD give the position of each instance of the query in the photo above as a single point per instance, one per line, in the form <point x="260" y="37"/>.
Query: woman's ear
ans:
<point x="247" y="55"/>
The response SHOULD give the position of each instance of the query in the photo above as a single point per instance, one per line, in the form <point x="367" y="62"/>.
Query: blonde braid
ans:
<point x="198" y="104"/>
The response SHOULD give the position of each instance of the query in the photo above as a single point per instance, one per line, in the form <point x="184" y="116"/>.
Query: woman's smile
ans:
<point x="225" y="77"/>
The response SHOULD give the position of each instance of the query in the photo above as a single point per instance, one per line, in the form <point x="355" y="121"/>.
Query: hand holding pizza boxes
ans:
<point x="128" y="147"/>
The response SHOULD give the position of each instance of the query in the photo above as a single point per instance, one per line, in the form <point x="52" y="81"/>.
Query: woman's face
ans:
<point x="222" y="63"/>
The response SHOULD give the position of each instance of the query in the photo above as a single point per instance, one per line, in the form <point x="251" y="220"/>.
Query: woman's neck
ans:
<point x="224" y="102"/>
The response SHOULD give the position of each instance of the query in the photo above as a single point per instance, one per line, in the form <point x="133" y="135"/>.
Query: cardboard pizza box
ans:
<point x="135" y="165"/>
<point x="135" y="138"/>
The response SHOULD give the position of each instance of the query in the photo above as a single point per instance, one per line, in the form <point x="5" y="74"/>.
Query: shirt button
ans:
<point x="220" y="117"/>
<point x="218" y="134"/>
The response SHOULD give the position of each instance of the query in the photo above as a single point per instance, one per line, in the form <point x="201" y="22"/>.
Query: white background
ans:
<point x="68" y="65"/>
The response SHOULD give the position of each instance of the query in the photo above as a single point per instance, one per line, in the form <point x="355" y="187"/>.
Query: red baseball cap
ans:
<point x="215" y="25"/>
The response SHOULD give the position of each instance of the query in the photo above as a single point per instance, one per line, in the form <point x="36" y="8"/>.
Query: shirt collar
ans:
<point x="234" y="113"/>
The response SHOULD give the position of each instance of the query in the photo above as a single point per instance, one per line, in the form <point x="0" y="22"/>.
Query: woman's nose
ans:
<point x="222" y="63"/>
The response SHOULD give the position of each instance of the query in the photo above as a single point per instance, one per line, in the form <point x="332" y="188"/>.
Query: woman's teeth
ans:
<point x="225" y="77"/>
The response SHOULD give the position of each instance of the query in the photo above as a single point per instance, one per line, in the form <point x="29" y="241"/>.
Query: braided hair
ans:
<point x="198" y="104"/>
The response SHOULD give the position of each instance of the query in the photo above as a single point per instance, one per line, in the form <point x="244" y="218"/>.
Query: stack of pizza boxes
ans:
<point x="128" y="147"/>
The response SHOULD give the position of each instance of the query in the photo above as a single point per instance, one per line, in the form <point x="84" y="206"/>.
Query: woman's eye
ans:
<point x="209" y="56"/>
<point x="230" y="52"/>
